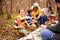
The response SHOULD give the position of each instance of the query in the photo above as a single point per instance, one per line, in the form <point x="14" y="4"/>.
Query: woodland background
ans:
<point x="9" y="11"/>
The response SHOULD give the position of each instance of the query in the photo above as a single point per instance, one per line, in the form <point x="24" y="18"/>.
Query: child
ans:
<point x="20" y="21"/>
<point x="54" y="22"/>
<point x="43" y="18"/>
<point x="28" y="17"/>
<point x="30" y="23"/>
<point x="46" y="11"/>
<point x="52" y="14"/>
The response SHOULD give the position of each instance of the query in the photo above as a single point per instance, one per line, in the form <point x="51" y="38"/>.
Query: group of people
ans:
<point x="35" y="15"/>
<point x="52" y="32"/>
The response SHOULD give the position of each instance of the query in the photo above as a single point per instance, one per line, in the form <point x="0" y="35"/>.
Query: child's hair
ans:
<point x="20" y="10"/>
<point x="29" y="11"/>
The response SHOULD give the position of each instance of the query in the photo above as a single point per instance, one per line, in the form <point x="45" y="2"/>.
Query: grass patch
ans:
<point x="6" y="27"/>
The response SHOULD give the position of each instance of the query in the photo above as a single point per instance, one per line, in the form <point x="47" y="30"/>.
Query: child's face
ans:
<point x="22" y="12"/>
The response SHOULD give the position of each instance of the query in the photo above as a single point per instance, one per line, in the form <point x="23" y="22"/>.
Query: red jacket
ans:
<point x="19" y="23"/>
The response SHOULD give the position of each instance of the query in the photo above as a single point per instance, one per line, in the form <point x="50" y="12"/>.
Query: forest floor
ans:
<point x="7" y="31"/>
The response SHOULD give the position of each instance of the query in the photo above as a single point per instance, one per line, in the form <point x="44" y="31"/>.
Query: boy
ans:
<point x="30" y="23"/>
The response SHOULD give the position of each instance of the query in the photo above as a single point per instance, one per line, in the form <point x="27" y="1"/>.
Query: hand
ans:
<point x="21" y="27"/>
<point x="35" y="18"/>
<point x="43" y="26"/>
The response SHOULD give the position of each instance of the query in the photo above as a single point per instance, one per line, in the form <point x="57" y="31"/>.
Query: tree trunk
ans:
<point x="1" y="12"/>
<point x="9" y="9"/>
<point x="32" y="2"/>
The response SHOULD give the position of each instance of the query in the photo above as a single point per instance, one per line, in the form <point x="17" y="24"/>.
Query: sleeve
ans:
<point x="19" y="23"/>
<point x="32" y="7"/>
<point x="55" y="29"/>
<point x="40" y="11"/>
<point x="32" y="15"/>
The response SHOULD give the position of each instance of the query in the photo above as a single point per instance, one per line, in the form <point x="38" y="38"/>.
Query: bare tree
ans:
<point x="9" y="9"/>
<point x="1" y="12"/>
<point x="32" y="2"/>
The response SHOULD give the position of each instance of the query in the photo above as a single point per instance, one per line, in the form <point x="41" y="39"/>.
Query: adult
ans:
<point x="36" y="13"/>
<point x="52" y="33"/>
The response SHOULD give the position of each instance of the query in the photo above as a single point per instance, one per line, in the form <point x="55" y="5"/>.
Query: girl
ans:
<point x="20" y="21"/>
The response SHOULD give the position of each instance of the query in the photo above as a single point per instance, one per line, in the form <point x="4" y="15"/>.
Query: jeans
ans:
<point x="46" y="34"/>
<point x="43" y="19"/>
<point x="23" y="31"/>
